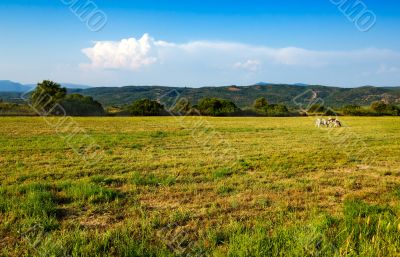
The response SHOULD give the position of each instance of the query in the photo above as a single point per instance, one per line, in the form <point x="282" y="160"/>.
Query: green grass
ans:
<point x="89" y="192"/>
<point x="152" y="180"/>
<point x="200" y="186"/>
<point x="222" y="172"/>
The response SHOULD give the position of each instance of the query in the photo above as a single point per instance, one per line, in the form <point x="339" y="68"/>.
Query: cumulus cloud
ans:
<point x="128" y="53"/>
<point x="133" y="54"/>
<point x="196" y="62"/>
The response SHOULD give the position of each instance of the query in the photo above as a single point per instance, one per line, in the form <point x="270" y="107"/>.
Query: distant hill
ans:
<point x="267" y="84"/>
<point x="10" y="86"/>
<point x="301" y="84"/>
<point x="294" y="96"/>
<point x="264" y="84"/>
<point x="13" y="91"/>
<point x="290" y="95"/>
<point x="75" y="86"/>
<point x="67" y="85"/>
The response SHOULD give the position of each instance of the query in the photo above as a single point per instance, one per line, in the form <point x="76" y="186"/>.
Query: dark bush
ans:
<point x="13" y="109"/>
<point x="260" y="104"/>
<point x="182" y="107"/>
<point x="392" y="110"/>
<point x="146" y="107"/>
<point x="378" y="106"/>
<point x="352" y="110"/>
<point x="277" y="110"/>
<point x="261" y="107"/>
<point x="79" y="105"/>
<point x="217" y="107"/>
<point x="381" y="108"/>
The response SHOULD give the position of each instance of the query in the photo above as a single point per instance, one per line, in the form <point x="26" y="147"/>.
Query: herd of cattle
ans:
<point x="331" y="122"/>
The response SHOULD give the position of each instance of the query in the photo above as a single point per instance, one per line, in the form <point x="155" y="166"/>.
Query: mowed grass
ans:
<point x="196" y="186"/>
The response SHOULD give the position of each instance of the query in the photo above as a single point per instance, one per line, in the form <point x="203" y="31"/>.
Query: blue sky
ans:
<point x="199" y="43"/>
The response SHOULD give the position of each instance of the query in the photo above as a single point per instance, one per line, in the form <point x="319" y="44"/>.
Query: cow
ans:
<point x="331" y="122"/>
<point x="334" y="122"/>
<point x="320" y="122"/>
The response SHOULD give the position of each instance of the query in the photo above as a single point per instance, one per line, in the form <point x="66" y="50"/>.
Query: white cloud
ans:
<point x="249" y="65"/>
<point x="212" y="63"/>
<point x="128" y="53"/>
<point x="133" y="54"/>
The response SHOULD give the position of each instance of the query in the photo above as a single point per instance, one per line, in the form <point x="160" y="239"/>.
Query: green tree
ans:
<point x="277" y="110"/>
<point x="217" y="107"/>
<point x="146" y="107"/>
<point x="182" y="107"/>
<point x="79" y="105"/>
<point x="379" y="106"/>
<point x="393" y="110"/>
<point x="46" y="95"/>
<point x="355" y="110"/>
<point x="260" y="104"/>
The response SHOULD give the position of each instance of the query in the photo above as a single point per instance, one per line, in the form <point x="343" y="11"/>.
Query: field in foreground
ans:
<point x="199" y="187"/>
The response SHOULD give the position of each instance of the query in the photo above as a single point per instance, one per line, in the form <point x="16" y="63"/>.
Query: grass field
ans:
<point x="199" y="187"/>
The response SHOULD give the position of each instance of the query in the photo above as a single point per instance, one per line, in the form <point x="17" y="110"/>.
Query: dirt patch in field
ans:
<point x="96" y="222"/>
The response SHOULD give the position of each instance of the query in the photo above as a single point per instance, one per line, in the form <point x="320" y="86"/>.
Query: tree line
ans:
<point x="217" y="107"/>
<point x="48" y="94"/>
<point x="50" y="98"/>
<point x="377" y="108"/>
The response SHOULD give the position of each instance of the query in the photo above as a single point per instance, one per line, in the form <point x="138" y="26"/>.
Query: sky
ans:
<point x="201" y="43"/>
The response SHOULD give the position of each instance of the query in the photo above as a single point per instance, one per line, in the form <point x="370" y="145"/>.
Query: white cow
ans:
<point x="320" y="122"/>
<point x="331" y="122"/>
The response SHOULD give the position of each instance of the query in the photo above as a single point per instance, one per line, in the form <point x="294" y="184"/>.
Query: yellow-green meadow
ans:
<point x="199" y="186"/>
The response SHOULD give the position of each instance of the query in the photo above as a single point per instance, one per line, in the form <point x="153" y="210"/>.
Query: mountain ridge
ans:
<point x="292" y="95"/>
<point x="11" y="86"/>
<point x="244" y="96"/>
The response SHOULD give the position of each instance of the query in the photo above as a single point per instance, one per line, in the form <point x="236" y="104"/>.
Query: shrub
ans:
<point x="262" y="107"/>
<point x="182" y="107"/>
<point x="146" y="107"/>
<point x="217" y="107"/>
<point x="79" y="105"/>
<point x="378" y="106"/>
<point x="7" y="109"/>
<point x="277" y="110"/>
<point x="393" y="110"/>
<point x="260" y="104"/>
<point x="352" y="110"/>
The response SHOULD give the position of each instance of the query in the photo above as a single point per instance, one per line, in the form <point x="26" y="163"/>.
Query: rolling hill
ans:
<point x="290" y="95"/>
<point x="295" y="96"/>
<point x="15" y="87"/>
<point x="10" y="86"/>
